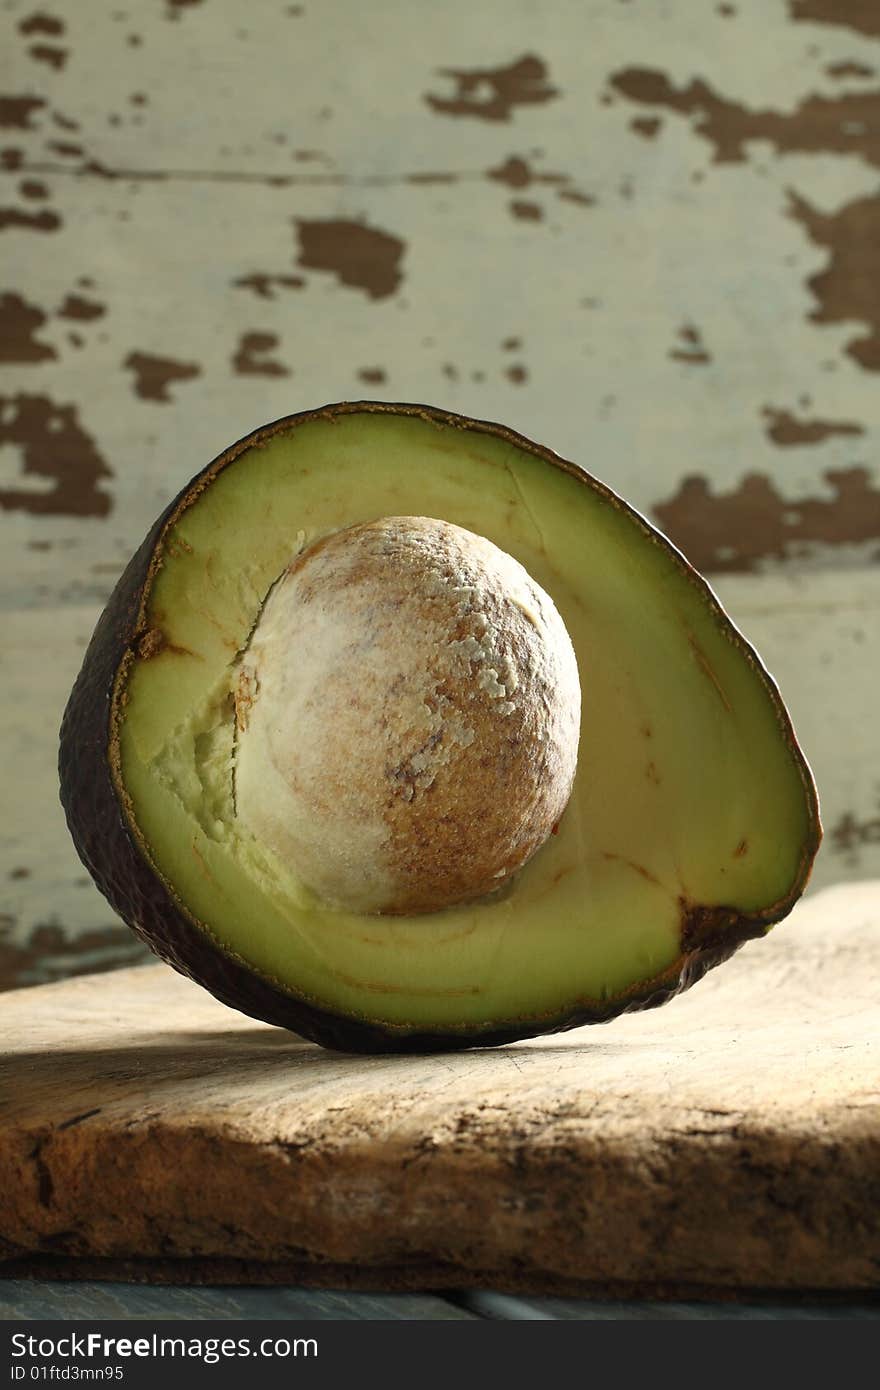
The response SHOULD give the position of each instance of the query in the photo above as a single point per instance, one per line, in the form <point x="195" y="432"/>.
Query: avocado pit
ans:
<point x="407" y="717"/>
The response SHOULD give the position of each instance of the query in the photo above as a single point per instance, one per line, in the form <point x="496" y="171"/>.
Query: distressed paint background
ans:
<point x="645" y="234"/>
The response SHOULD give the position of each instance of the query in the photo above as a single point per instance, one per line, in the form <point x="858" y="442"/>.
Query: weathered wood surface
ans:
<point x="646" y="235"/>
<point x="731" y="1138"/>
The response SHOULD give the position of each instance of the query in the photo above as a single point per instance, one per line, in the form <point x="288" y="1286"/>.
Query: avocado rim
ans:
<point x="102" y="824"/>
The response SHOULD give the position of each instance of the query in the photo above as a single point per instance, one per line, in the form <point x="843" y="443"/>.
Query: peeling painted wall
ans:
<point x="648" y="235"/>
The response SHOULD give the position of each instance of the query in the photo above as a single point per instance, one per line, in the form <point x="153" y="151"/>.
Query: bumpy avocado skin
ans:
<point x="108" y="848"/>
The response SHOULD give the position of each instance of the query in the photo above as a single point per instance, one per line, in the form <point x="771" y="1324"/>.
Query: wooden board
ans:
<point x="730" y="1139"/>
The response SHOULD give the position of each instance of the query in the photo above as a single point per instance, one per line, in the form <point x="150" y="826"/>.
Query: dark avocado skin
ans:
<point x="107" y="844"/>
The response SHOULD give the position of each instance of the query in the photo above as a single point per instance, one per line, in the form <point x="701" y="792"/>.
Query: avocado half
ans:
<point x="693" y="821"/>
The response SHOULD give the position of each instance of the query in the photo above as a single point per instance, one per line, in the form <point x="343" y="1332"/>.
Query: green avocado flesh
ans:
<point x="690" y="791"/>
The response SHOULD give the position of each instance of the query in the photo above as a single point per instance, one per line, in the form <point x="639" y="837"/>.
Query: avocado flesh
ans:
<point x="690" y="792"/>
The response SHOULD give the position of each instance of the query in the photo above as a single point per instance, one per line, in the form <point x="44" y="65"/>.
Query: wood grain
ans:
<point x="731" y="1139"/>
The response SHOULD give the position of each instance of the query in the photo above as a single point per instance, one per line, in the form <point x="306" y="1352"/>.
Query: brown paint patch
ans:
<point x="16" y="112"/>
<point x="54" y="448"/>
<point x="39" y="23"/>
<point x="646" y="126"/>
<point x="733" y="532"/>
<point x="19" y="321"/>
<point x="491" y="94"/>
<point x="373" y="376"/>
<point x="849" y="289"/>
<point x="429" y="178"/>
<point x="516" y="373"/>
<point x="514" y="172"/>
<point x="263" y="285"/>
<point x="42" y="221"/>
<point x="691" y="347"/>
<point x="571" y="195"/>
<point x="847" y="124"/>
<point x="850" y="835"/>
<point x="786" y="430"/>
<point x="76" y="306"/>
<point x="861" y="15"/>
<point x="850" y="69"/>
<point x="250" y="357"/>
<point x="32" y="188"/>
<point x="517" y="173"/>
<point x="364" y="257"/>
<point x="153" y="375"/>
<point x="49" y="54"/>
<point x="526" y="211"/>
<point x="51" y="954"/>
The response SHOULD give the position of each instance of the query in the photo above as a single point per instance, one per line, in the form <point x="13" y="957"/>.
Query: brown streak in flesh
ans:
<point x="379" y="987"/>
<point x="203" y="868"/>
<point x="631" y="864"/>
<point x="155" y="643"/>
<point x="708" y="670"/>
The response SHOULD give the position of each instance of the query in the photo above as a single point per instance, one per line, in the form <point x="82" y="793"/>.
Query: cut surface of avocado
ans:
<point x="692" y="809"/>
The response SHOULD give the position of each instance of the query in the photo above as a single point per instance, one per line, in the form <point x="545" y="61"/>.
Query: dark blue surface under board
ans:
<point x="80" y="1300"/>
